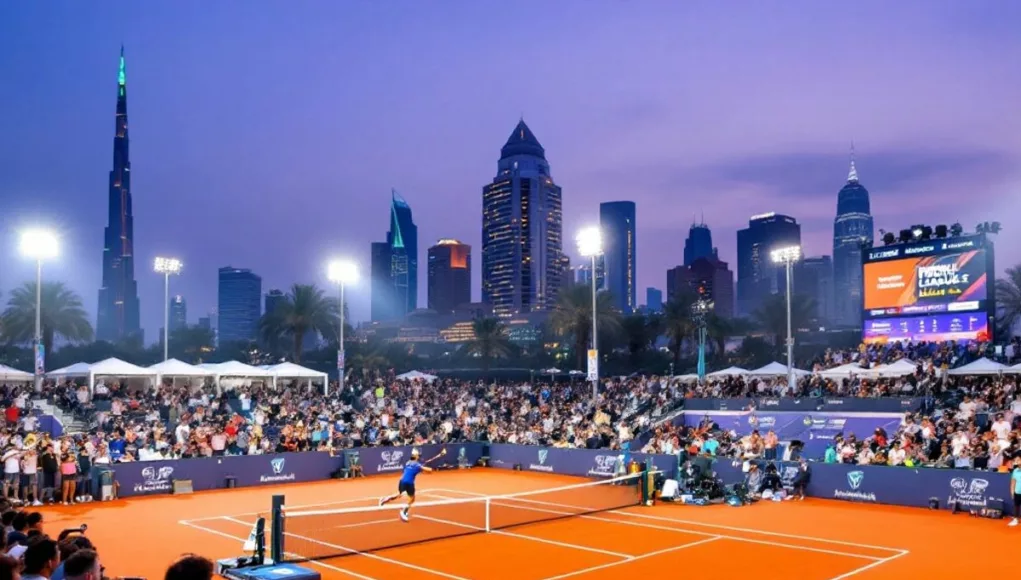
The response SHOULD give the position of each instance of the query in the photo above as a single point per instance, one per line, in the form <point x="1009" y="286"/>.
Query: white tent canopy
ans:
<point x="775" y="369"/>
<point x="551" y="371"/>
<point x="412" y="375"/>
<point x="12" y="374"/>
<point x="115" y="367"/>
<point x="1016" y="369"/>
<point x="845" y="371"/>
<point x="175" y="368"/>
<point x="728" y="372"/>
<point x="234" y="368"/>
<point x="982" y="366"/>
<point x="686" y="378"/>
<point x="289" y="370"/>
<point x="900" y="368"/>
<point x="76" y="370"/>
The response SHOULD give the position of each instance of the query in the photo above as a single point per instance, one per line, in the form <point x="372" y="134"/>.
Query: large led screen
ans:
<point x="954" y="282"/>
<point x="936" y="328"/>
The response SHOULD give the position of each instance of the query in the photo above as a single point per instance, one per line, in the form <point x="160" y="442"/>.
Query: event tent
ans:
<point x="76" y="370"/>
<point x="775" y="369"/>
<point x="174" y="368"/>
<point x="900" y="368"/>
<point x="115" y="367"/>
<point x="12" y="374"/>
<point x="1016" y="369"/>
<point x="289" y="370"/>
<point x="728" y="372"/>
<point x="845" y="371"/>
<point x="234" y="368"/>
<point x="412" y="375"/>
<point x="982" y="366"/>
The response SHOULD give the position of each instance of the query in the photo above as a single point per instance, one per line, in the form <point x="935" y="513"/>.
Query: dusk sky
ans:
<point x="267" y="135"/>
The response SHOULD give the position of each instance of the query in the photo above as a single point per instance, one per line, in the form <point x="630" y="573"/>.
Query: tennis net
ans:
<point x="318" y="534"/>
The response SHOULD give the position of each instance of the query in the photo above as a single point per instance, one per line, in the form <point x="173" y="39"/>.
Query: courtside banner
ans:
<point x="380" y="460"/>
<point x="157" y="477"/>
<point x="903" y="486"/>
<point x="839" y="404"/>
<point x="816" y="430"/>
<point x="583" y="462"/>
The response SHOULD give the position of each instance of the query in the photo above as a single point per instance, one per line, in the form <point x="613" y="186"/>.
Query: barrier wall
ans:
<point x="903" y="486"/>
<point x="157" y="477"/>
<point x="581" y="462"/>
<point x="837" y="404"/>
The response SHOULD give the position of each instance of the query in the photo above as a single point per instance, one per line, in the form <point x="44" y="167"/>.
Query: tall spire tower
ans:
<point x="118" y="298"/>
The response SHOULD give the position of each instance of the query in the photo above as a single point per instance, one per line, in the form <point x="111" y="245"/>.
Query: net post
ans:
<point x="488" y="504"/>
<point x="277" y="521"/>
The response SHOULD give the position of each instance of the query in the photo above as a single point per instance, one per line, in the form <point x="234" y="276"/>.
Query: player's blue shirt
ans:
<point x="1015" y="476"/>
<point x="411" y="471"/>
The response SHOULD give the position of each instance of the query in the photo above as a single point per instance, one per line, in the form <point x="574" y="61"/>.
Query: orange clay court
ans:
<point x="810" y="540"/>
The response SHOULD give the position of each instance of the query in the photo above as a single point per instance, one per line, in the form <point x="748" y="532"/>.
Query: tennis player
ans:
<point x="406" y="486"/>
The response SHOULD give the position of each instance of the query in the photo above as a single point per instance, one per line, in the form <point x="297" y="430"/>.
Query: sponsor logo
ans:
<point x="969" y="493"/>
<point x="541" y="466"/>
<point x="833" y="402"/>
<point x="807" y="420"/>
<point x="605" y="465"/>
<point x="276" y="466"/>
<point x="769" y="402"/>
<point x="392" y="461"/>
<point x="787" y="475"/>
<point x="883" y="254"/>
<point x="156" y="480"/>
<point x="855" y="479"/>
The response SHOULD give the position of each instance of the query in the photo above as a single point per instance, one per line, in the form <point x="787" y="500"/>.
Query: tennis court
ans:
<point x="811" y="540"/>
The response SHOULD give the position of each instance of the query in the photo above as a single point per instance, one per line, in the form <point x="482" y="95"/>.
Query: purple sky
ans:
<point x="267" y="135"/>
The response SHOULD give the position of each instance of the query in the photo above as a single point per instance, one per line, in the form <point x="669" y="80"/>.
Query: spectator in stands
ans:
<point x="68" y="476"/>
<point x="190" y="567"/>
<point x="12" y="471"/>
<point x="41" y="558"/>
<point x="67" y="547"/>
<point x="801" y="479"/>
<point x="82" y="565"/>
<point x="10" y="568"/>
<point x="30" y="477"/>
<point x="19" y="527"/>
<point x="50" y="466"/>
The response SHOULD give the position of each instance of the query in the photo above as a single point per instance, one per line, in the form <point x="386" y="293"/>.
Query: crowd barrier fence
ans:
<point x="808" y="404"/>
<point x="580" y="462"/>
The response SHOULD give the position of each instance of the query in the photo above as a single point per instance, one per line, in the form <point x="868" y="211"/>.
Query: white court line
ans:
<point x="722" y="527"/>
<point x="363" y="554"/>
<point x="695" y="532"/>
<point x="647" y="555"/>
<point x="240" y="539"/>
<point x="857" y="571"/>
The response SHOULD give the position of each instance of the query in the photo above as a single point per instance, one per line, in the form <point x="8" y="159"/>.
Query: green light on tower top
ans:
<point x="121" y="80"/>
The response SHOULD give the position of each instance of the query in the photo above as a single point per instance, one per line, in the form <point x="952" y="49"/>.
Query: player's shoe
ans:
<point x="404" y="515"/>
<point x="382" y="501"/>
<point x="1013" y="523"/>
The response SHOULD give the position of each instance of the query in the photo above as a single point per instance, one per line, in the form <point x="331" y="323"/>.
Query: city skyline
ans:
<point x="281" y="189"/>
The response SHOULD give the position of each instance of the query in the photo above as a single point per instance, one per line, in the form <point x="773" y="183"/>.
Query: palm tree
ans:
<point x="771" y="316"/>
<point x="305" y="308"/>
<point x="190" y="343"/>
<point x="62" y="315"/>
<point x="1008" y="298"/>
<point x="572" y="316"/>
<point x="640" y="332"/>
<point x="678" y="325"/>
<point x="491" y="341"/>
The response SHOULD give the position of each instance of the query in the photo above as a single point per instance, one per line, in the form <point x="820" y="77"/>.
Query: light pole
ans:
<point x="788" y="256"/>
<point x="341" y="273"/>
<point x="166" y="266"/>
<point x="700" y="314"/>
<point x="39" y="245"/>
<point x="590" y="245"/>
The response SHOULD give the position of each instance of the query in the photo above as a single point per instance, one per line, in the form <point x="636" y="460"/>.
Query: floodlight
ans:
<point x="39" y="244"/>
<point x="342" y="272"/>
<point x="784" y="255"/>
<point x="167" y="266"/>
<point x="590" y="242"/>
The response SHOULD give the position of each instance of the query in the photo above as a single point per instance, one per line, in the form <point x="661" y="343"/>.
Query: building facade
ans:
<point x="654" y="300"/>
<point x="852" y="231"/>
<point x="394" y="265"/>
<point x="178" y="313"/>
<point x="522" y="230"/>
<point x="699" y="243"/>
<point x="118" y="312"/>
<point x="239" y="305"/>
<point x="757" y="276"/>
<point x="813" y="278"/>
<point x="708" y="277"/>
<point x="617" y="224"/>
<point x="450" y="275"/>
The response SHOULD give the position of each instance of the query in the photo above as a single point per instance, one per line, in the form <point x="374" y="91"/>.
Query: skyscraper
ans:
<point x="757" y="275"/>
<point x="522" y="230"/>
<point x="450" y="275"/>
<point x="852" y="229"/>
<point x="395" y="265"/>
<point x="178" y="313"/>
<point x="238" y="304"/>
<point x="118" y="313"/>
<point x="617" y="223"/>
<point x="699" y="243"/>
<point x="813" y="278"/>
<point x="654" y="299"/>
<point x="708" y="276"/>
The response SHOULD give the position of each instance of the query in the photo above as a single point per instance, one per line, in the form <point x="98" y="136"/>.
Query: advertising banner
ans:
<point x="938" y="327"/>
<point x="377" y="460"/>
<point x="926" y="285"/>
<point x="842" y="404"/>
<point x="157" y="477"/>
<point x="816" y="430"/>
<point x="580" y="462"/>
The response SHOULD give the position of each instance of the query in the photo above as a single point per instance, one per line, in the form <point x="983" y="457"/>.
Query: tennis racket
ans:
<point x="438" y="455"/>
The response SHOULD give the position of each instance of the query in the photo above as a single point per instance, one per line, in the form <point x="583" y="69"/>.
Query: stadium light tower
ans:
<point x="39" y="245"/>
<point x="166" y="266"/>
<point x="590" y="245"/>
<point x="788" y="256"/>
<point x="341" y="273"/>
